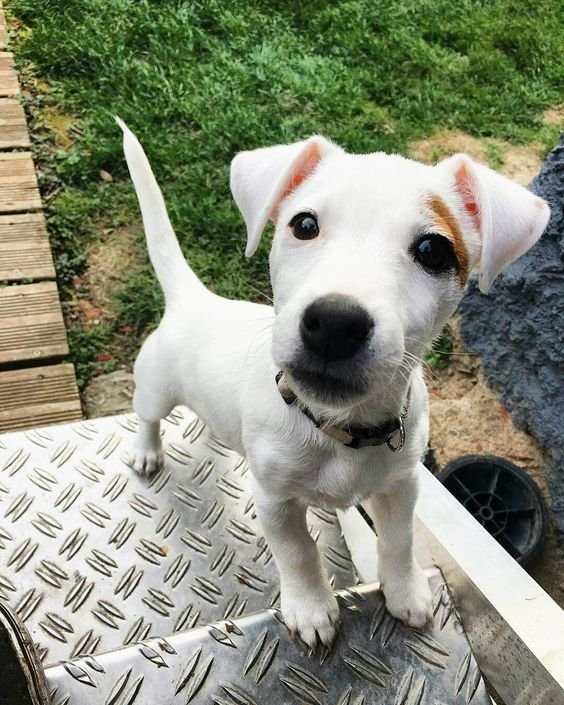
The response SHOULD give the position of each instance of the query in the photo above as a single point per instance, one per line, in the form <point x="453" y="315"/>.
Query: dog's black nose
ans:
<point x="335" y="327"/>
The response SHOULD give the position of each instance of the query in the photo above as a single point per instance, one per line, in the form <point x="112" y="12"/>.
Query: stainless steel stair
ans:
<point x="253" y="661"/>
<point x="94" y="558"/>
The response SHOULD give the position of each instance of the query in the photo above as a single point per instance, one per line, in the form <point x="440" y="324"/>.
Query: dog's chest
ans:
<point x="338" y="479"/>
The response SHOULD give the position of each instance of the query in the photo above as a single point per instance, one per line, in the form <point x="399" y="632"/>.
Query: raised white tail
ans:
<point x="172" y="270"/>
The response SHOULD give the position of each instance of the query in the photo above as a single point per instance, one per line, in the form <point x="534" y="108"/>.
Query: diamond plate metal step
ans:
<point x="94" y="558"/>
<point x="253" y="661"/>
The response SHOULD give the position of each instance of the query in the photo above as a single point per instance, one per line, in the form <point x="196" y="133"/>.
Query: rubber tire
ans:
<point x="533" y="530"/>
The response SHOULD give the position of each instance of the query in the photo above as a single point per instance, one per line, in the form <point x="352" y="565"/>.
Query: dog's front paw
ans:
<point x="147" y="461"/>
<point x="409" y="597"/>
<point x="314" y="616"/>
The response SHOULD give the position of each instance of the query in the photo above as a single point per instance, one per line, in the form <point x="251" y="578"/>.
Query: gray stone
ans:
<point x="518" y="329"/>
<point x="109" y="394"/>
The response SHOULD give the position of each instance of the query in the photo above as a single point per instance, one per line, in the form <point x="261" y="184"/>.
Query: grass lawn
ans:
<point x="198" y="81"/>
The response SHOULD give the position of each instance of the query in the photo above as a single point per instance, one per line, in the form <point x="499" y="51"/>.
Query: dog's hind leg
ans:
<point x="152" y="401"/>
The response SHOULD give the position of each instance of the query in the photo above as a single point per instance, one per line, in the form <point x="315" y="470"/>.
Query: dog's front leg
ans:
<point x="308" y="604"/>
<point x="148" y="448"/>
<point x="405" y="586"/>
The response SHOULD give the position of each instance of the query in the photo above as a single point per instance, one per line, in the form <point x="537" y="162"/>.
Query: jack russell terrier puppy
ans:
<point x="321" y="391"/>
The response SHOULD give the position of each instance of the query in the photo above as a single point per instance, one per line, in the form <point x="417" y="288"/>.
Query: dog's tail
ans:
<point x="167" y="259"/>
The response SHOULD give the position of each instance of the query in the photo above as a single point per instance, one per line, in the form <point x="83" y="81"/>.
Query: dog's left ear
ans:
<point x="508" y="217"/>
<point x="262" y="178"/>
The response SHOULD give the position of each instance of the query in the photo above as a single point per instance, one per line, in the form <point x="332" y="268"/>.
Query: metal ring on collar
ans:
<point x="400" y="431"/>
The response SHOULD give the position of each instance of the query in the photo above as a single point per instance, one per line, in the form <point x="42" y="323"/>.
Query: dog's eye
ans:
<point x="304" y="226"/>
<point x="435" y="253"/>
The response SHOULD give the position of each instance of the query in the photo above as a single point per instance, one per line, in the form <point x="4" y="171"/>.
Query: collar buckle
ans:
<point x="397" y="447"/>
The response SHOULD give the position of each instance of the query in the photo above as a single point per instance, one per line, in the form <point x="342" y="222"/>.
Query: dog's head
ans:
<point x="371" y="254"/>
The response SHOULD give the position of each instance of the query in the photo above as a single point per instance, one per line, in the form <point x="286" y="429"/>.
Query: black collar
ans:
<point x="391" y="432"/>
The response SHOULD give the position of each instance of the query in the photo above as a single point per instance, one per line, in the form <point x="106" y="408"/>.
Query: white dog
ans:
<point x="370" y="257"/>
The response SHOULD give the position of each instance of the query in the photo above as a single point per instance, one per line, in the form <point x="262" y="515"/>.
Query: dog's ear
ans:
<point x="508" y="217"/>
<point x="262" y="178"/>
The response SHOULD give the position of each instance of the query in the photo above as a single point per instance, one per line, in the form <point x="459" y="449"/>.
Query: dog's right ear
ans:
<point x="262" y="178"/>
<point x="508" y="218"/>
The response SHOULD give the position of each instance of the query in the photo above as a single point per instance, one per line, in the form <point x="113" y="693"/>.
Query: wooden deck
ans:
<point x="31" y="323"/>
<point x="38" y="396"/>
<point x="25" y="252"/>
<point x="9" y="84"/>
<point x="18" y="183"/>
<point x="36" y="387"/>
<point x="13" y="128"/>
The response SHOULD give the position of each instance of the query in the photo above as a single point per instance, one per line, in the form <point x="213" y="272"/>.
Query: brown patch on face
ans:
<point x="447" y="224"/>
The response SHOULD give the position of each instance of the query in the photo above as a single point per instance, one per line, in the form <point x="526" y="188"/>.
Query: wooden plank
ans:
<point x="31" y="323"/>
<point x="9" y="84"/>
<point x="38" y="396"/>
<point x="23" y="227"/>
<point x="26" y="261"/>
<point x="13" y="127"/>
<point x="3" y="29"/>
<point x="19" y="164"/>
<point x="18" y="183"/>
<point x="25" y="252"/>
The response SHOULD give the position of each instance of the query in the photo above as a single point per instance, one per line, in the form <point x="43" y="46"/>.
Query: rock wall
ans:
<point x="518" y="329"/>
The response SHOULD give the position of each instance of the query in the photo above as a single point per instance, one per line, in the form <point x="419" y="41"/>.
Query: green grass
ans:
<point x="198" y="81"/>
<point x="494" y="155"/>
<point x="439" y="356"/>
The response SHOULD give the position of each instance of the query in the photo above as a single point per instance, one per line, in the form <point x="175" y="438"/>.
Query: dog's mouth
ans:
<point x="327" y="386"/>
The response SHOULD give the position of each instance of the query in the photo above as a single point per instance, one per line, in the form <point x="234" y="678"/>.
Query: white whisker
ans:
<point x="266" y="296"/>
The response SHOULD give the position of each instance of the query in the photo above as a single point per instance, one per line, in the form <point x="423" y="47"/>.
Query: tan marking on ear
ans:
<point x="307" y="163"/>
<point x="447" y="224"/>
<point x="467" y="189"/>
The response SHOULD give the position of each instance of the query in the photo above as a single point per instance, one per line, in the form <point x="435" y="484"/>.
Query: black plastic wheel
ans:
<point x="503" y="499"/>
<point x="22" y="678"/>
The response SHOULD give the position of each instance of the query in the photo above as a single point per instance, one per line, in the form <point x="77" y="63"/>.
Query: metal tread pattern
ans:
<point x="253" y="661"/>
<point x="94" y="557"/>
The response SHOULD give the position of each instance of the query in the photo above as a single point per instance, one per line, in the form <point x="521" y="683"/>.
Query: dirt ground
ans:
<point x="519" y="162"/>
<point x="466" y="415"/>
<point x="554" y="115"/>
<point x="114" y="254"/>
